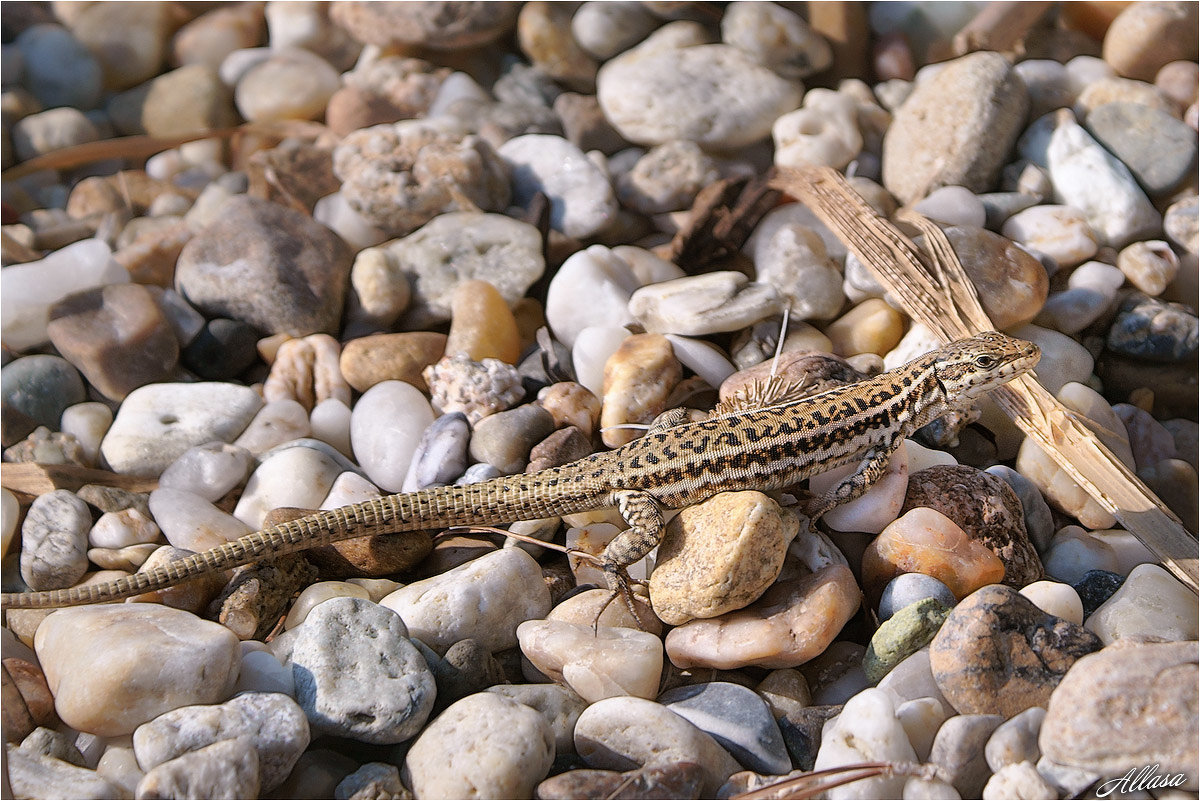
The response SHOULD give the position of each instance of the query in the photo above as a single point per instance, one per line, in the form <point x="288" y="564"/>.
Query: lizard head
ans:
<point x="970" y="367"/>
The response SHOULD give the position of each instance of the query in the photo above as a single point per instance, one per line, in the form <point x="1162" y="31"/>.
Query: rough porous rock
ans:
<point x="54" y="541"/>
<point x="357" y="675"/>
<point x="113" y="668"/>
<point x="719" y="555"/>
<point x="267" y="265"/>
<point x="956" y="128"/>
<point x="484" y="746"/>
<point x="228" y="768"/>
<point x="1129" y="705"/>
<point x="997" y="653"/>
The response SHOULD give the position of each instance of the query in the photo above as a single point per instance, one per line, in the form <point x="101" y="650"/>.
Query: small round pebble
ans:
<point x="505" y="439"/>
<point x="581" y="198"/>
<point x="54" y="540"/>
<point x="40" y="388"/>
<point x="776" y="37"/>
<point x="907" y="589"/>
<point x="737" y="718"/>
<point x="58" y="69"/>
<point x="1015" y="740"/>
<point x="385" y="427"/>
<point x="292" y="84"/>
<point x="866" y="731"/>
<point x="1056" y="598"/>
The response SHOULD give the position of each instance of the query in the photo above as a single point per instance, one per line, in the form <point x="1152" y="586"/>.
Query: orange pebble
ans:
<point x="481" y="324"/>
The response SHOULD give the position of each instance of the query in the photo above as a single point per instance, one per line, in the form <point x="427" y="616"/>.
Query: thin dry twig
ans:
<point x="936" y="292"/>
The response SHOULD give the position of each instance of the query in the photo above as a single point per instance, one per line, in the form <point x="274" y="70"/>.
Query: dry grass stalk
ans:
<point x="936" y="292"/>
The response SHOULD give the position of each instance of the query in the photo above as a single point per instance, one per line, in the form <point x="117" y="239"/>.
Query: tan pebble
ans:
<point x="481" y="324"/>
<point x="638" y="378"/>
<point x="1146" y="36"/>
<point x="384" y="357"/>
<point x="530" y="316"/>
<point x="193" y="596"/>
<point x="314" y="594"/>
<point x="597" y="664"/>
<point x="793" y="622"/>
<point x="562" y="447"/>
<point x="1114" y="90"/>
<point x="811" y="372"/>
<point x="571" y="404"/>
<point x="583" y="608"/>
<point x="1178" y="81"/>
<point x="1150" y="266"/>
<point x="151" y="257"/>
<point x="870" y="327"/>
<point x="268" y="347"/>
<point x="720" y="555"/>
<point x="802" y="336"/>
<point x="785" y="690"/>
<point x="1012" y="284"/>
<point x="926" y="541"/>
<point x="306" y="370"/>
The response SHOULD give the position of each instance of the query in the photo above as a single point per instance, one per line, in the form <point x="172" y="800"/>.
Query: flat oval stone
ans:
<point x="704" y="304"/>
<point x="1015" y="740"/>
<point x="296" y="478"/>
<point x="902" y="635"/>
<point x="958" y="752"/>
<point x="1158" y="149"/>
<point x="441" y="454"/>
<point x="484" y="745"/>
<point x="385" y="427"/>
<point x="228" y="768"/>
<point x="505" y="439"/>
<point x="737" y="718"/>
<point x="908" y="588"/>
<point x="191" y="522"/>
<point x="1060" y="232"/>
<point x="357" y="675"/>
<point x="113" y="668"/>
<point x="1056" y="598"/>
<point x="591" y="288"/>
<point x="596" y="664"/>
<point x="997" y="653"/>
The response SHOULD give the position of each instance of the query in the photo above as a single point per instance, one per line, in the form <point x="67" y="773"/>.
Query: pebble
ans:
<point x="592" y="288"/>
<point x="1149" y="440"/>
<point x="997" y="653"/>
<point x="913" y="679"/>
<point x="958" y="752"/>
<point x="27" y="291"/>
<point x="210" y="470"/>
<point x="719" y="556"/>
<point x="482" y="325"/>
<point x="1150" y="266"/>
<point x="32" y="774"/>
<point x="543" y="33"/>
<point x="667" y="178"/>
<point x="1060" y="232"/>
<point x="47" y="131"/>
<point x="271" y="723"/>
<point x="909" y="588"/>
<point x="954" y="205"/>
<point x="1089" y="178"/>
<point x="1150" y="328"/>
<point x="186" y="100"/>
<point x="122" y="529"/>
<point x="606" y="29"/>
<point x="117" y="336"/>
<point x="385" y="426"/>
<point x="54" y="539"/>
<point x="793" y="622"/>
<point x="222" y="349"/>
<point x="583" y="122"/>
<point x="712" y="94"/>
<point x="903" y="634"/>
<point x="477" y="389"/>
<point x="279" y="421"/>
<point x="462" y="246"/>
<point x="129" y="43"/>
<point x="372" y="780"/>
<point x="596" y="664"/>
<point x="1177" y="80"/>
<point x="777" y="38"/>
<point x="213" y="35"/>
<point x="1141" y="40"/>
<point x="191" y="522"/>
<point x="379" y="290"/>
<point x="387" y="174"/>
<point x="1096" y="587"/>
<point x="1151" y="602"/>
<point x="1181" y="223"/>
<point x="1157" y="148"/>
<point x="228" y="768"/>
<point x="1056" y="598"/>
<point x="976" y="99"/>
<point x="367" y="361"/>
<point x="57" y="68"/>
<point x="439" y="26"/>
<point x="876" y="508"/>
<point x="558" y="705"/>
<point x="484" y="745"/>
<point x="638" y="379"/>
<point x="484" y="600"/>
<point x="866" y="731"/>
<point x="737" y="718"/>
<point x="990" y="512"/>
<point x="441" y="454"/>
<point x="235" y="267"/>
<point x="357" y="674"/>
<point x="792" y="257"/>
<point x="37" y="390"/>
<point x="297" y="478"/>
<point x="1015" y="740"/>
<point x="824" y="132"/>
<point x="704" y="304"/>
<point x="870" y="327"/>
<point x="505" y="439"/>
<point x="113" y="668"/>
<point x="581" y="198"/>
<point x="926" y="541"/>
<point x="291" y="84"/>
<point x="626" y="733"/>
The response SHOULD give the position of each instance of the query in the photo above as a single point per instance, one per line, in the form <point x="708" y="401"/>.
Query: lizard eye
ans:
<point x="985" y="361"/>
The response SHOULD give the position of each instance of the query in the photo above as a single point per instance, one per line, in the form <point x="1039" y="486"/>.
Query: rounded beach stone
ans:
<point x="228" y="768"/>
<point x="39" y="388"/>
<point x="958" y="752"/>
<point x="902" y="635"/>
<point x="997" y="653"/>
<point x="793" y="622"/>
<point x="367" y="361"/>
<point x="461" y="246"/>
<point x="580" y="195"/>
<point x="1015" y="740"/>
<point x="113" y="668"/>
<point x="627" y="733"/>
<point x="1146" y="36"/>
<point x="267" y="265"/>
<point x="596" y="664"/>
<point x="737" y="718"/>
<point x="973" y="108"/>
<point x="638" y="379"/>
<point x="1150" y="266"/>
<point x="128" y="42"/>
<point x="292" y="478"/>
<point x="606" y="29"/>
<point x="544" y="35"/>
<point x="482" y="325"/>
<point x="667" y="178"/>
<point x="441" y="455"/>
<point x="273" y="724"/>
<point x="190" y="522"/>
<point x="379" y="291"/>
<point x="185" y="101"/>
<point x="122" y="529"/>
<point x="505" y="439"/>
<point x="484" y="600"/>
<point x="54" y="540"/>
<point x="876" y="508"/>
<point x="357" y="675"/>
<point x="1056" y="598"/>
<point x="990" y="512"/>
<point x="437" y="25"/>
<point x="47" y="131"/>
<point x="793" y="258"/>
<point x="1180" y="223"/>
<point x="719" y="555"/>
<point x="57" y="68"/>
<point x="592" y="288"/>
<point x="291" y="84"/>
<point x="867" y="730"/>
<point x="870" y="327"/>
<point x="1060" y="232"/>
<point x="484" y="745"/>
<point x="558" y="705"/>
<point x="777" y="38"/>
<point x="704" y="304"/>
<point x="909" y="588"/>
<point x="1126" y="705"/>
<point x="117" y="335"/>
<point x="210" y="470"/>
<point x="1151" y="602"/>
<point x="385" y="427"/>
<point x="1158" y="149"/>
<point x="477" y="389"/>
<point x="714" y="95"/>
<point x="1012" y="284"/>
<point x="222" y="349"/>
<point x="1150" y="328"/>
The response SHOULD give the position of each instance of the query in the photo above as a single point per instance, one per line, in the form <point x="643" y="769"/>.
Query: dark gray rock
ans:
<point x="737" y="718"/>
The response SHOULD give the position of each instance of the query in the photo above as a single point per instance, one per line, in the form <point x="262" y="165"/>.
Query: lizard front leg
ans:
<point x="872" y="466"/>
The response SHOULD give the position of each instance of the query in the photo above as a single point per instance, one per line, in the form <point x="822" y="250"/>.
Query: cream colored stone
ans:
<point x="638" y="378"/>
<point x="597" y="664"/>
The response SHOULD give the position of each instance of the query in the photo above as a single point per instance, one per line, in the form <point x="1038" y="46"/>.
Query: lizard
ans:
<point x="671" y="466"/>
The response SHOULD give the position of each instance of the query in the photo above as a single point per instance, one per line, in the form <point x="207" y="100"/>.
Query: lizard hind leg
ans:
<point x="870" y="469"/>
<point x="646" y="525"/>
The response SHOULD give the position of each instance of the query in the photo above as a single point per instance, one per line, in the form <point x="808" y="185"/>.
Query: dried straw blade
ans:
<point x="935" y="290"/>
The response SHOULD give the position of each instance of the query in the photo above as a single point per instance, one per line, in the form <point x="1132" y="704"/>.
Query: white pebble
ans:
<point x="1128" y="549"/>
<point x="192" y="523"/>
<point x="318" y="593"/>
<point x="593" y="347"/>
<point x="10" y="510"/>
<point x="1060" y="232"/>
<point x="330" y="423"/>
<point x="294" y="477"/>
<point x="333" y="212"/>
<point x="599" y="664"/>
<point x="1151" y="602"/>
<point x="877" y="507"/>
<point x="823" y="133"/>
<point x="1056" y="598"/>
<point x="210" y="470"/>
<point x="866" y="731"/>
<point x="385" y="427"/>
<point x="1073" y="552"/>
<point x="581" y="198"/>
<point x="123" y="528"/>
<point x="702" y="358"/>
<point x="953" y="205"/>
<point x="263" y="673"/>
<point x="280" y="421"/>
<point x="349" y="488"/>
<point x="592" y="288"/>
<point x="88" y="422"/>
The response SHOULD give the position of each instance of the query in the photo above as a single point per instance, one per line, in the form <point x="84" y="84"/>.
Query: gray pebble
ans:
<point x="51" y="743"/>
<point x="737" y="718"/>
<point x="358" y="676"/>
<point x="59" y="70"/>
<point x="225" y="769"/>
<point x="1158" y="149"/>
<point x="1149" y="328"/>
<point x="441" y="454"/>
<point x="958" y="752"/>
<point x="907" y="589"/>
<point x="802" y="732"/>
<point x="51" y="130"/>
<point x="1039" y="522"/>
<point x="558" y="704"/>
<point x="372" y="780"/>
<point x="466" y="668"/>
<point x="221" y="350"/>
<point x="54" y="541"/>
<point x="38" y="388"/>
<point x="1015" y="740"/>
<point x="480" y="471"/>
<point x="505" y="439"/>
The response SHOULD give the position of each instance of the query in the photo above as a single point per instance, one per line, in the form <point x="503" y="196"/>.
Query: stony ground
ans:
<point x="448" y="242"/>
